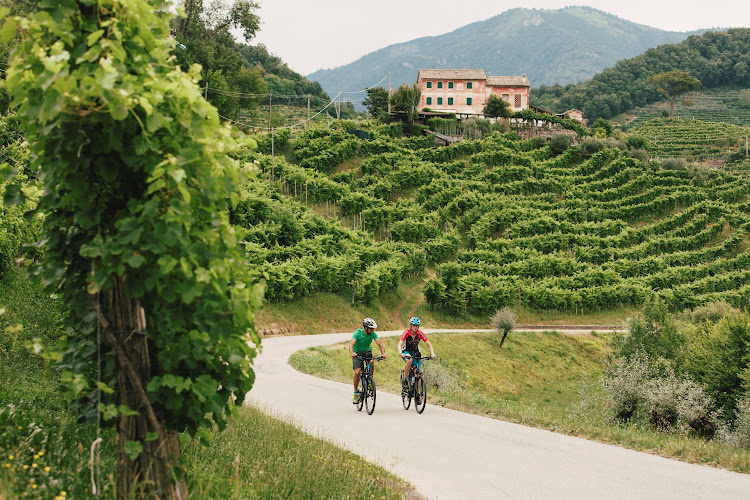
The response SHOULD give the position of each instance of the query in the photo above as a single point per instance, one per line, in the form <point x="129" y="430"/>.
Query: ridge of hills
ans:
<point x="549" y="46"/>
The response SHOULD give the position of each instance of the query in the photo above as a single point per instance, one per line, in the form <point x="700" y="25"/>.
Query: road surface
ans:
<point x="448" y="454"/>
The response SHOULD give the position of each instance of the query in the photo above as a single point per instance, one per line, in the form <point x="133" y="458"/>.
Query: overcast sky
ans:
<point x="316" y="34"/>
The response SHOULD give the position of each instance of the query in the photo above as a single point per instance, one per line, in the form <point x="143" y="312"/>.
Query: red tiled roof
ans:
<point x="451" y="74"/>
<point x="508" y="81"/>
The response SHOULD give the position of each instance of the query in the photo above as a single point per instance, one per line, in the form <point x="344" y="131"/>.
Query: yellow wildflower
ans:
<point x="20" y="427"/>
<point x="34" y="466"/>
<point x="25" y="467"/>
<point x="62" y="493"/>
<point x="46" y="469"/>
<point x="41" y="453"/>
<point x="33" y="486"/>
<point x="10" y="457"/>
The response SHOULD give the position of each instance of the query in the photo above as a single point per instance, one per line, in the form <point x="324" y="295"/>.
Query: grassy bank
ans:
<point x="546" y="380"/>
<point x="334" y="312"/>
<point x="44" y="451"/>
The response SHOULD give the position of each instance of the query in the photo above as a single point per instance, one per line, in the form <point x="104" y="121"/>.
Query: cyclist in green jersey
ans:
<point x="359" y="348"/>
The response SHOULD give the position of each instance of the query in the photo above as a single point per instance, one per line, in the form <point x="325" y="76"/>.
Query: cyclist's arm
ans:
<point x="351" y="348"/>
<point x="382" y="348"/>
<point x="400" y="348"/>
<point x="432" y="351"/>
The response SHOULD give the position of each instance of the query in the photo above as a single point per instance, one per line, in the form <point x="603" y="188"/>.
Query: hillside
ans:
<point x="717" y="59"/>
<point x="550" y="46"/>
<point x="712" y="105"/>
<point x="502" y="221"/>
<point x="692" y="138"/>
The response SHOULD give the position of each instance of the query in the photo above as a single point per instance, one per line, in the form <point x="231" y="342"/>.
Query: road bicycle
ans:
<point x="367" y="391"/>
<point x="416" y="387"/>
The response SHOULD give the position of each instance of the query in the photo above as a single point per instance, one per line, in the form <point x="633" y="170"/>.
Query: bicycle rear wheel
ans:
<point x="405" y="394"/>
<point x="420" y="395"/>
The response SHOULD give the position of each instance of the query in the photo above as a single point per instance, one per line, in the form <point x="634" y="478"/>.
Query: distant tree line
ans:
<point x="716" y="59"/>
<point x="205" y="36"/>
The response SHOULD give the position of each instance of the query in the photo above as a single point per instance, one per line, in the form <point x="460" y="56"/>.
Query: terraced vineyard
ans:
<point x="505" y="223"/>
<point x="712" y="105"/>
<point x="692" y="138"/>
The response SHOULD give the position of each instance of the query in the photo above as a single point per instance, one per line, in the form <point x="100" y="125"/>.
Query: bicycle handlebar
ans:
<point x="418" y="358"/>
<point x="379" y="358"/>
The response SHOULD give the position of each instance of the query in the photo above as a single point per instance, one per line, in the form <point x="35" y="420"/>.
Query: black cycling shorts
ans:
<point x="358" y="363"/>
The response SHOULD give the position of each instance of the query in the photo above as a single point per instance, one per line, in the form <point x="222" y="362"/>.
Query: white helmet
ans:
<point x="369" y="323"/>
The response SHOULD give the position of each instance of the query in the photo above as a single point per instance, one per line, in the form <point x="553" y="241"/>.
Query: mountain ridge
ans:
<point x="550" y="46"/>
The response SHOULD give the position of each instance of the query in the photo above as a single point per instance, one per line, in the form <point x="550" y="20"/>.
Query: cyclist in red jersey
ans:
<point x="408" y="345"/>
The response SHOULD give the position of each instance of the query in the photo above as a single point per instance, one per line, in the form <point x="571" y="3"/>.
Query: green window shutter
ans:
<point x="440" y="85"/>
<point x="468" y="85"/>
<point x="468" y="101"/>
<point x="429" y="100"/>
<point x="440" y="101"/>
<point x="450" y="85"/>
<point x="450" y="101"/>
<point x="429" y="85"/>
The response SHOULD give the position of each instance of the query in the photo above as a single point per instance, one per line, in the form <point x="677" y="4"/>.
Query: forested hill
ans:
<point x="717" y="59"/>
<point x="277" y="75"/>
<point x="550" y="46"/>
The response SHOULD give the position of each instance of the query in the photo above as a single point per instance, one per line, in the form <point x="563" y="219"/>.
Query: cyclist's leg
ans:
<point x="357" y="366"/>
<point x="407" y="366"/>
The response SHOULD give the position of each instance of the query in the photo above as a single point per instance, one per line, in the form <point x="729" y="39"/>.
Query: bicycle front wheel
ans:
<point x="370" y="395"/>
<point x="362" y="393"/>
<point x="420" y="395"/>
<point x="405" y="394"/>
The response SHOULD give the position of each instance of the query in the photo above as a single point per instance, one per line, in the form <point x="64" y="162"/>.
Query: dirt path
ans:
<point x="449" y="454"/>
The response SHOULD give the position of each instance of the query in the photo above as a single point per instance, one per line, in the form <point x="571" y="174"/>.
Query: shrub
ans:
<point x="560" y="142"/>
<point x="695" y="409"/>
<point x="740" y="434"/>
<point x="712" y="312"/>
<point x="674" y="164"/>
<point x="592" y="145"/>
<point x="624" y="384"/>
<point x="440" y="377"/>
<point x="636" y="142"/>
<point x="661" y="396"/>
<point x="744" y="98"/>
<point x="640" y="155"/>
<point x="504" y="321"/>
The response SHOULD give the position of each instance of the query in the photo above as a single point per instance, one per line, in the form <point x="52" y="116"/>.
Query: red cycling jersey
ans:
<point x="412" y="343"/>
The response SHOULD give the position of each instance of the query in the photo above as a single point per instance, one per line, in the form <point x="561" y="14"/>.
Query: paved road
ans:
<point x="447" y="454"/>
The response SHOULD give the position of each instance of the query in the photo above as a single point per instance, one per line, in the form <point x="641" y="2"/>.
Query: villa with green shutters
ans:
<point x="466" y="91"/>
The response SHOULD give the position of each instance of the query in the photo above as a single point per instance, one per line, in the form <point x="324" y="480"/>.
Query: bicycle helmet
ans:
<point x="414" y="321"/>
<point x="369" y="323"/>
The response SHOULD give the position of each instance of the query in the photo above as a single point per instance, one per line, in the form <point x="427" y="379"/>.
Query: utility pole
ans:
<point x="270" y="95"/>
<point x="389" y="94"/>
<point x="338" y="110"/>
<point x="308" y="111"/>
<point x="205" y="93"/>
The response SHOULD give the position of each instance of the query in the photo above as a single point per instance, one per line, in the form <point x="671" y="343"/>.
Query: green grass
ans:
<point x="276" y="460"/>
<point x="331" y="312"/>
<point x="547" y="380"/>
<point x="258" y="456"/>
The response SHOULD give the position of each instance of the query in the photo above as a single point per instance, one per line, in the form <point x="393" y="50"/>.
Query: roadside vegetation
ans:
<point x="547" y="379"/>
<point x="44" y="449"/>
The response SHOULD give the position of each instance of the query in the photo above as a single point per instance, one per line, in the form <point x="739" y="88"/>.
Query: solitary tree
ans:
<point x="504" y="321"/>
<point x="407" y="99"/>
<point x="673" y="84"/>
<point x="138" y="243"/>
<point x="497" y="108"/>
<point x="377" y="102"/>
